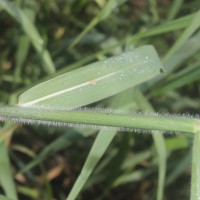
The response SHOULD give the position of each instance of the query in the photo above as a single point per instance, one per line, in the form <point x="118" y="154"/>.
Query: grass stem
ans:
<point x="78" y="117"/>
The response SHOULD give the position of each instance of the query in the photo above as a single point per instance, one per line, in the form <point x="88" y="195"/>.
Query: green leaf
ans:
<point x="31" y="31"/>
<point x="102" y="15"/>
<point x="195" y="187"/>
<point x="99" y="147"/>
<point x="95" y="81"/>
<point x="182" y="22"/>
<point x="179" y="79"/>
<point x="6" y="179"/>
<point x="195" y="24"/>
<point x="4" y="198"/>
<point x="178" y="58"/>
<point x="159" y="145"/>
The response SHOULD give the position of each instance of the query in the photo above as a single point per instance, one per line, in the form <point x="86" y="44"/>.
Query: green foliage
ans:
<point x="57" y="55"/>
<point x="6" y="179"/>
<point x="87" y="84"/>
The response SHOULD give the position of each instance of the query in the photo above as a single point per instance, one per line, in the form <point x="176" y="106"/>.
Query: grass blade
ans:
<point x="178" y="58"/>
<point x="4" y="198"/>
<point x="159" y="143"/>
<point x="181" y="167"/>
<point x="154" y="10"/>
<point x="195" y="187"/>
<point x="107" y="9"/>
<point x="100" y="145"/>
<point x="31" y="32"/>
<point x="176" y="24"/>
<point x="176" y="5"/>
<point x="169" y="26"/>
<point x="95" y="81"/>
<point x="98" y="149"/>
<point x="29" y="8"/>
<point x="195" y="24"/>
<point x="184" y="77"/>
<point x="6" y="179"/>
<point x="162" y="163"/>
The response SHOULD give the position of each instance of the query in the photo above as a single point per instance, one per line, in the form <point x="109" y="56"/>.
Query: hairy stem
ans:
<point x="61" y="117"/>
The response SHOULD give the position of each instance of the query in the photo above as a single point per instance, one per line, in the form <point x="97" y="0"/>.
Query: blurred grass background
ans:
<point x="41" y="39"/>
